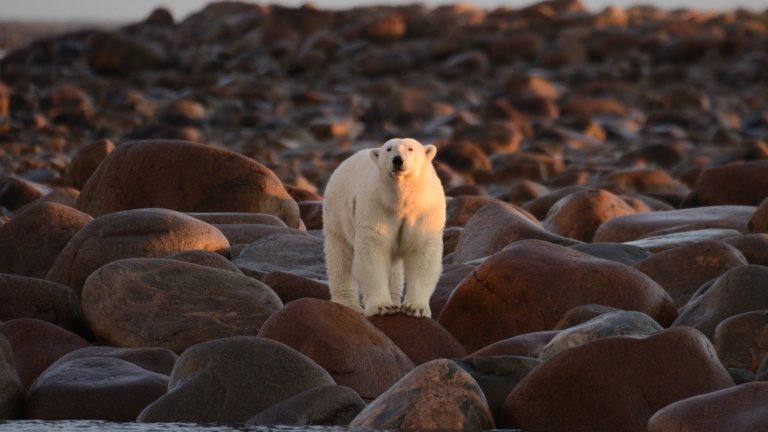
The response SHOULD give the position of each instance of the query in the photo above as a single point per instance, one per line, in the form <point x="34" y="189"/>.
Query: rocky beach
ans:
<point x="605" y="262"/>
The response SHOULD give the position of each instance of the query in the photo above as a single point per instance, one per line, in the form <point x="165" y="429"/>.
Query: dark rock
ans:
<point x="741" y="342"/>
<point x="515" y="292"/>
<point x="230" y="380"/>
<point x="581" y="314"/>
<point x="353" y="350"/>
<point x="449" y="280"/>
<point x="207" y="259"/>
<point x="329" y="405"/>
<point x="16" y="192"/>
<point x="11" y="391"/>
<point x="249" y="233"/>
<point x="420" y="339"/>
<point x="540" y="206"/>
<point x="460" y="209"/>
<point x="119" y="53"/>
<point x="25" y="297"/>
<point x="131" y="234"/>
<point x="154" y="359"/>
<point x="618" y="252"/>
<point x="160" y="302"/>
<point x="639" y="181"/>
<point x="34" y="238"/>
<point x="754" y="247"/>
<point x="526" y="345"/>
<point x="738" y="183"/>
<point x="663" y="242"/>
<point x="626" y="380"/>
<point x="87" y="160"/>
<point x="436" y="395"/>
<point x="578" y="215"/>
<point x="291" y="252"/>
<point x="758" y="223"/>
<point x="290" y="287"/>
<point x="67" y="103"/>
<point x="311" y="214"/>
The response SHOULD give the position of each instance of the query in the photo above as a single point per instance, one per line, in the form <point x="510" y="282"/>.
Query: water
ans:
<point x="96" y="425"/>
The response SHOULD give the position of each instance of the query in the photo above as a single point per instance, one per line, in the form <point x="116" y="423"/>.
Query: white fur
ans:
<point x="383" y="226"/>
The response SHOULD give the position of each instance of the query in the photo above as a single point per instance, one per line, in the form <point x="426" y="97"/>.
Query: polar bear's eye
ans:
<point x="389" y="149"/>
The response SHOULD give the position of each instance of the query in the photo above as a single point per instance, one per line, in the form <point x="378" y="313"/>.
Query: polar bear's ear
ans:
<point x="430" y="151"/>
<point x="374" y="154"/>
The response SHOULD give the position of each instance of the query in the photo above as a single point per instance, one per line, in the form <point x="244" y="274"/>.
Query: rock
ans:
<point x="87" y="160"/>
<point x="616" y="323"/>
<point x="207" y="259"/>
<point x="36" y="345"/>
<point x="682" y="270"/>
<point x="624" y="379"/>
<point x="449" y="280"/>
<point x="421" y="340"/>
<point x="119" y="53"/>
<point x="167" y="303"/>
<point x="67" y="103"/>
<point x="660" y="243"/>
<point x="466" y="158"/>
<point x="99" y="388"/>
<point x="578" y="215"/>
<point x="290" y="252"/>
<point x="642" y="225"/>
<point x="460" y="209"/>
<point x="740" y="341"/>
<point x="495" y="226"/>
<point x="639" y="181"/>
<point x="735" y="409"/>
<point x="540" y="207"/>
<point x="154" y="359"/>
<point x="312" y="214"/>
<point x="525" y="345"/>
<point x="740" y="289"/>
<point x="497" y="376"/>
<point x="185" y="176"/>
<point x="743" y="183"/>
<point x="229" y="380"/>
<point x="620" y="252"/>
<point x="436" y="395"/>
<point x="31" y="241"/>
<point x="225" y="218"/>
<point x="581" y="314"/>
<point x="11" y="391"/>
<point x="758" y="223"/>
<point x="249" y="233"/>
<point x="25" y="297"/>
<point x="130" y="234"/>
<point x="353" y="350"/>
<point x="329" y="405"/>
<point x="290" y="287"/>
<point x="515" y="292"/>
<point x="16" y="192"/>
<point x="511" y="167"/>
<point x="754" y="247"/>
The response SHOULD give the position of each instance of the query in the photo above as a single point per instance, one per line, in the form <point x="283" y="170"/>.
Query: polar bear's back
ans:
<point x="350" y="178"/>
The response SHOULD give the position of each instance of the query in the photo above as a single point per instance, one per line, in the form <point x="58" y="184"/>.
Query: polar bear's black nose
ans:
<point x="397" y="162"/>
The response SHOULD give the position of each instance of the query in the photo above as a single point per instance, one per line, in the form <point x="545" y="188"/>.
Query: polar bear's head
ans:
<point x="403" y="157"/>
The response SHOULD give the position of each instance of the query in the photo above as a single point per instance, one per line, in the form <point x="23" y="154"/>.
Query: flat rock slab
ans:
<point x="291" y="252"/>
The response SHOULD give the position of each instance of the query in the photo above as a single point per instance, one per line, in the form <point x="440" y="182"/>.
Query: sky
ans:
<point x="133" y="10"/>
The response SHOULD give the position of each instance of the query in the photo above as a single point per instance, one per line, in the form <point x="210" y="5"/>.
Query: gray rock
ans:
<point x="330" y="405"/>
<point x="293" y="252"/>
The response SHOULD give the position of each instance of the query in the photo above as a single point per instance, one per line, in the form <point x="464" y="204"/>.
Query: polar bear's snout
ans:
<point x="398" y="164"/>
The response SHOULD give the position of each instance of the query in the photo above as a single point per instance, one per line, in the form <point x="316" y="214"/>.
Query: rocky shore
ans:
<point x="605" y="257"/>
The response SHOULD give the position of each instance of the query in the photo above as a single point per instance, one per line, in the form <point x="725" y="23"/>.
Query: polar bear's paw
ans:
<point x="415" y="310"/>
<point x="382" y="309"/>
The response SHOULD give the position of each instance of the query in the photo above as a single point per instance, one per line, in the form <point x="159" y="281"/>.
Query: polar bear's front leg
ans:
<point x="338" y="257"/>
<point x="371" y="269"/>
<point x="422" y="271"/>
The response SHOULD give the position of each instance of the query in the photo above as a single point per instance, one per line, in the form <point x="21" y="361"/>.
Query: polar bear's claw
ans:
<point x="415" y="311"/>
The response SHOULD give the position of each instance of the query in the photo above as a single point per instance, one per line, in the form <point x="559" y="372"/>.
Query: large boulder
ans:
<point x="139" y="302"/>
<point x="578" y="215"/>
<point x="230" y="380"/>
<point x="744" y="183"/>
<point x="422" y="339"/>
<point x="292" y="252"/>
<point x="758" y="223"/>
<point x="26" y="297"/>
<point x="740" y="341"/>
<point x="185" y="176"/>
<point x="353" y="350"/>
<point x="741" y="289"/>
<point x="615" y="383"/>
<point x="330" y="405"/>
<point x="515" y="291"/>
<point x="31" y="241"/>
<point x="438" y="395"/>
<point x="145" y="233"/>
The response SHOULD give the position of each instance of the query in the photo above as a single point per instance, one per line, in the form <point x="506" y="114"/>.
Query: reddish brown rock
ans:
<point x="754" y="247"/>
<point x="526" y="345"/>
<point x="639" y="180"/>
<point x="615" y="383"/>
<point x="312" y="214"/>
<point x="128" y="234"/>
<point x="738" y="183"/>
<point x="185" y="176"/>
<point x="682" y="270"/>
<point x="663" y="242"/>
<point x="641" y="225"/>
<point x="353" y="350"/>
<point x="578" y="215"/>
<point x="167" y="303"/>
<point x="290" y="287"/>
<point x="87" y="160"/>
<point x="36" y="345"/>
<point x="758" y="223"/>
<point x="741" y="289"/>
<point x="460" y="209"/>
<point x="741" y="341"/>
<point x="515" y="291"/>
<point x="495" y="226"/>
<point x="207" y="259"/>
<point x="539" y="207"/>
<point x="230" y="380"/>
<point x="25" y="297"/>
<point x="735" y="409"/>
<point x="436" y="395"/>
<point x="582" y="313"/>
<point x="68" y="103"/>
<point x="509" y="167"/>
<point x="33" y="239"/>
<point x="466" y="158"/>
<point x="449" y="280"/>
<point x="249" y="233"/>
<point x="620" y="252"/>
<point x="421" y="340"/>
<point x="119" y="53"/>
<point x="16" y="192"/>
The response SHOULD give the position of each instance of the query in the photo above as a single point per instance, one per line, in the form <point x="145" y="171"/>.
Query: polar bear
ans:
<point x="383" y="220"/>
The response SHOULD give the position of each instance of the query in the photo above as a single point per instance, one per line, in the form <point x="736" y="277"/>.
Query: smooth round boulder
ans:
<point x="438" y="395"/>
<point x="683" y="269"/>
<point x="421" y="339"/>
<point x="207" y="259"/>
<point x="230" y="380"/>
<point x="139" y="302"/>
<point x="25" y="297"/>
<point x="642" y="225"/>
<point x="293" y="252"/>
<point x="16" y="192"/>
<point x="11" y="390"/>
<point x="619" y="252"/>
<point x="581" y="314"/>
<point x="525" y="345"/>
<point x="141" y="233"/>
<point x="754" y="247"/>
<point x="660" y="243"/>
<point x="734" y="409"/>
<point x="515" y="291"/>
<point x="578" y="215"/>
<point x="758" y="223"/>
<point x="153" y="359"/>
<point x="449" y="280"/>
<point x="742" y="183"/>
<point x="290" y="287"/>
<point x="741" y="341"/>
<point x="330" y="405"/>
<point x="615" y="383"/>
<point x="34" y="238"/>
<point x="185" y="176"/>
<point x="342" y="341"/>
<point x="86" y="160"/>
<point x="741" y="289"/>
